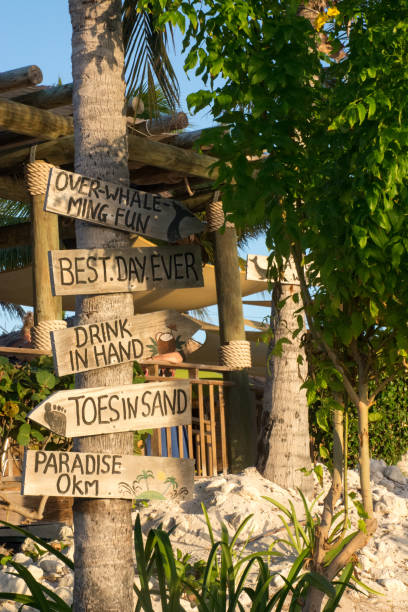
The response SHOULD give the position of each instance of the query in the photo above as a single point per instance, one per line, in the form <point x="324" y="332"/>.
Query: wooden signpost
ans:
<point x="88" y="412"/>
<point x="87" y="347"/>
<point x="117" y="206"/>
<point x="257" y="268"/>
<point x="91" y="271"/>
<point x="106" y="475"/>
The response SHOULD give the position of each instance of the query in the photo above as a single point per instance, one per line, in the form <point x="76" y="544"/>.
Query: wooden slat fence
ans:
<point x="205" y="440"/>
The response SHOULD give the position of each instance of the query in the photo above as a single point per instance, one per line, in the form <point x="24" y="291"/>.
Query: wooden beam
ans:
<point x="61" y="95"/>
<point x="163" y="124"/>
<point x="20" y="77"/>
<point x="61" y="152"/>
<point x="171" y="158"/>
<point x="58" y="152"/>
<point x="49" y="97"/>
<point x="13" y="189"/>
<point x="31" y="121"/>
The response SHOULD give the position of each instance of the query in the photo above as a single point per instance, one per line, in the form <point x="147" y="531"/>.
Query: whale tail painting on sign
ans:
<point x="120" y="207"/>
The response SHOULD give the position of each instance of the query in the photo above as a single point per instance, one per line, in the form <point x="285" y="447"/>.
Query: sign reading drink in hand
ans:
<point x="117" y="206"/>
<point x="86" y="412"/>
<point x="90" y="271"/>
<point x="106" y="343"/>
<point x="106" y="475"/>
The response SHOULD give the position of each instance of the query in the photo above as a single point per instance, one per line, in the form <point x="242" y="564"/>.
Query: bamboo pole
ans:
<point x="20" y="77"/>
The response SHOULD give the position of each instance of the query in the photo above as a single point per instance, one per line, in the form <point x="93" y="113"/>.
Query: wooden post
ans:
<point x="240" y="412"/>
<point x="45" y="237"/>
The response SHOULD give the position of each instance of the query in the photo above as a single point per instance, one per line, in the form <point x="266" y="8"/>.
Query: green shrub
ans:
<point x="22" y="387"/>
<point x="388" y="426"/>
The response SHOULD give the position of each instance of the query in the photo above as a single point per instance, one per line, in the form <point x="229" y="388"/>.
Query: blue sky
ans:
<point x="40" y="33"/>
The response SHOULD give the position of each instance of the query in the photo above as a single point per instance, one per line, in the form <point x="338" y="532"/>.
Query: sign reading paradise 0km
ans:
<point x="117" y="206"/>
<point x="105" y="343"/>
<point x="106" y="475"/>
<point x="91" y="271"/>
<point x="89" y="412"/>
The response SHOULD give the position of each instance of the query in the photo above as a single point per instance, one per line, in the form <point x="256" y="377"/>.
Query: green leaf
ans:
<point x="46" y="379"/>
<point x="373" y="417"/>
<point x="23" y="436"/>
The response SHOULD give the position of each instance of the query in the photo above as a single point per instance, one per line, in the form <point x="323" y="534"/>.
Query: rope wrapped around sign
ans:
<point x="236" y="354"/>
<point x="215" y="214"/>
<point x="36" y="176"/>
<point x="40" y="333"/>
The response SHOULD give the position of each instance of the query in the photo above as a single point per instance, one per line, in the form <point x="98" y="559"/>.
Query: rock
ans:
<point x="394" y="473"/>
<point x="66" y="533"/>
<point x="32" y="547"/>
<point x="377" y="465"/>
<point x="36" y="572"/>
<point x="22" y="559"/>
<point x="51" y="565"/>
<point x="12" y="584"/>
<point x="277" y="581"/>
<point x="228" y="487"/>
<point x="392" y="505"/>
<point x="65" y="593"/>
<point x="393" y="584"/>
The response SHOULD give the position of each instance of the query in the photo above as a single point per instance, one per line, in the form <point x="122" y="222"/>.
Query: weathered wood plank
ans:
<point x="89" y="412"/>
<point x="20" y="77"/>
<point x="90" y="271"/>
<point x="257" y="269"/>
<point x="88" y="347"/>
<point x="106" y="476"/>
<point x="113" y="205"/>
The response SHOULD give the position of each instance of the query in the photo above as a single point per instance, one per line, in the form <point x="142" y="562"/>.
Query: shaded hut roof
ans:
<point x="161" y="159"/>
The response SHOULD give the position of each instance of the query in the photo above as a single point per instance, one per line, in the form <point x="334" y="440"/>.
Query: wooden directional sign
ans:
<point x="257" y="268"/>
<point x="106" y="475"/>
<point x="117" y="206"/>
<point x="86" y="412"/>
<point x="97" y="345"/>
<point x="89" y="271"/>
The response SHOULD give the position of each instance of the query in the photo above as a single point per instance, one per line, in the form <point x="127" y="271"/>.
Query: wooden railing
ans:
<point x="206" y="439"/>
<point x="207" y="436"/>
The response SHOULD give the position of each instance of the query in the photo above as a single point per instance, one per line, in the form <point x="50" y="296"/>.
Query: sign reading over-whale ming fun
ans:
<point x="86" y="412"/>
<point x="106" y="475"/>
<point x="118" y="206"/>
<point x="91" y="271"/>
<point x="106" y="343"/>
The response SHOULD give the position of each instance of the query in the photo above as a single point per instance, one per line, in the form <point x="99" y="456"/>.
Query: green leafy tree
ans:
<point x="319" y="149"/>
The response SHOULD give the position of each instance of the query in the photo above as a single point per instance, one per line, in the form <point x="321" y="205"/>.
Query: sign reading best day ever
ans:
<point x="118" y="206"/>
<point x="92" y="271"/>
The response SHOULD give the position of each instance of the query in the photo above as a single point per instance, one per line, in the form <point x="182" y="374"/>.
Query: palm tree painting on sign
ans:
<point x="171" y="489"/>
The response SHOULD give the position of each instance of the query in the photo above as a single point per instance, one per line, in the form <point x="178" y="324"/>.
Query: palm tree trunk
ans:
<point x="103" y="533"/>
<point x="283" y="439"/>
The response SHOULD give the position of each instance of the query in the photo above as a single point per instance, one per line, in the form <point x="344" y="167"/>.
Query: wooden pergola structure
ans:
<point x="36" y="124"/>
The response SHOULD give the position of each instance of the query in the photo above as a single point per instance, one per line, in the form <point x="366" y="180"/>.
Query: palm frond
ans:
<point x="12" y="310"/>
<point x="13" y="258"/>
<point x="13" y="212"/>
<point x="146" y="55"/>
